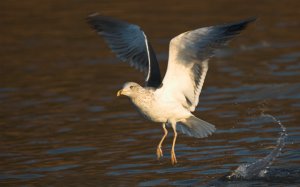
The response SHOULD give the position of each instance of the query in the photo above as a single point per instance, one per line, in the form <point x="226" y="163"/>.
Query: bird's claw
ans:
<point x="159" y="153"/>
<point x="173" y="158"/>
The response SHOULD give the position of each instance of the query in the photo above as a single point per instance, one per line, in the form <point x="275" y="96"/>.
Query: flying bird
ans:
<point x="171" y="100"/>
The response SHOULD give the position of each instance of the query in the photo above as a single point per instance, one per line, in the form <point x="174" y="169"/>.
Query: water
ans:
<point x="62" y="125"/>
<point x="260" y="168"/>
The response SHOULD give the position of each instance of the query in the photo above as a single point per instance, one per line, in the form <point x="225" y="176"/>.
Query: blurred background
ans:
<point x="62" y="125"/>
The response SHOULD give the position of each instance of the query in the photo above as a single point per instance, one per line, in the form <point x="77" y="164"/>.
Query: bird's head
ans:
<point x="130" y="89"/>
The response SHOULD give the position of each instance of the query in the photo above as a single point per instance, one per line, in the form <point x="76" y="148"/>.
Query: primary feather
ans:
<point x="188" y="60"/>
<point x="130" y="44"/>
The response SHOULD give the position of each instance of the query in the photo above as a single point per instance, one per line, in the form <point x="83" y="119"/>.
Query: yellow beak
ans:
<point x="119" y="93"/>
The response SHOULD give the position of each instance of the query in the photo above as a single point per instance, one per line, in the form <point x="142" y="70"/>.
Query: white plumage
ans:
<point x="171" y="100"/>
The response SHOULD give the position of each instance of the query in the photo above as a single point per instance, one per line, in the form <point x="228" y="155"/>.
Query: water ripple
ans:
<point x="65" y="150"/>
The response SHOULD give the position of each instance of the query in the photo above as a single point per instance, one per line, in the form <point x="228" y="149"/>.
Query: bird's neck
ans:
<point x="144" y="96"/>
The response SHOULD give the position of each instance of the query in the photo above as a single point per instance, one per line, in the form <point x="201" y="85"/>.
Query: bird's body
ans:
<point x="148" y="99"/>
<point x="173" y="99"/>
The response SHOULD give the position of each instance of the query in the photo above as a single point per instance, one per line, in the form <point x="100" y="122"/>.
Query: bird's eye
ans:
<point x="131" y="87"/>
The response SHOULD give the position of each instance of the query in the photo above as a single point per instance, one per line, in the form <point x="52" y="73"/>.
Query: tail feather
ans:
<point x="195" y="127"/>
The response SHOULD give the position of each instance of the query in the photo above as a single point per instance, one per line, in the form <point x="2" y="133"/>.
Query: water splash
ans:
<point x="259" y="168"/>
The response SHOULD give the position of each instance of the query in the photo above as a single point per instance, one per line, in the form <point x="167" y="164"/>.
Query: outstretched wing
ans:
<point x="130" y="44"/>
<point x="188" y="60"/>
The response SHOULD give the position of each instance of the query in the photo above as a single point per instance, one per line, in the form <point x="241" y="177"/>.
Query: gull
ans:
<point x="171" y="100"/>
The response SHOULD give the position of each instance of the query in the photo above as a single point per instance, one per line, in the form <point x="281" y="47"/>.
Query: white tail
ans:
<point x="195" y="127"/>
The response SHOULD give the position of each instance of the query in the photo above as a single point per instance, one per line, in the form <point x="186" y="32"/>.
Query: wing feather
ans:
<point x="130" y="44"/>
<point x="188" y="60"/>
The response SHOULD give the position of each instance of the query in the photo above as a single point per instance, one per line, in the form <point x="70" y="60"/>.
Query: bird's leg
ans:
<point x="158" y="150"/>
<point x="173" y="156"/>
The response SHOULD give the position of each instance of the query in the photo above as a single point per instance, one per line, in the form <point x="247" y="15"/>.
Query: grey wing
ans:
<point x="188" y="60"/>
<point x="130" y="44"/>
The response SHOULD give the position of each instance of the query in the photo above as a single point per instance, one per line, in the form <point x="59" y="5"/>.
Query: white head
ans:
<point x="130" y="89"/>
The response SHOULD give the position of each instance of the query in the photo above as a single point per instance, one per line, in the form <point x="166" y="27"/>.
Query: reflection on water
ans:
<point x="62" y="124"/>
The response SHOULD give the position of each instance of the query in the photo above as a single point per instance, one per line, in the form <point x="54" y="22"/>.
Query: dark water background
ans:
<point x="62" y="125"/>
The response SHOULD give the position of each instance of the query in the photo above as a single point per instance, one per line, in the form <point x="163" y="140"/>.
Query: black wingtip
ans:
<point x="100" y="22"/>
<point x="247" y="21"/>
<point x="90" y="19"/>
<point x="237" y="27"/>
<point x="251" y="19"/>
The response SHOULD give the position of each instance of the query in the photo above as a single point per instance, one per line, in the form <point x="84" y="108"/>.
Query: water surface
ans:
<point x="62" y="125"/>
